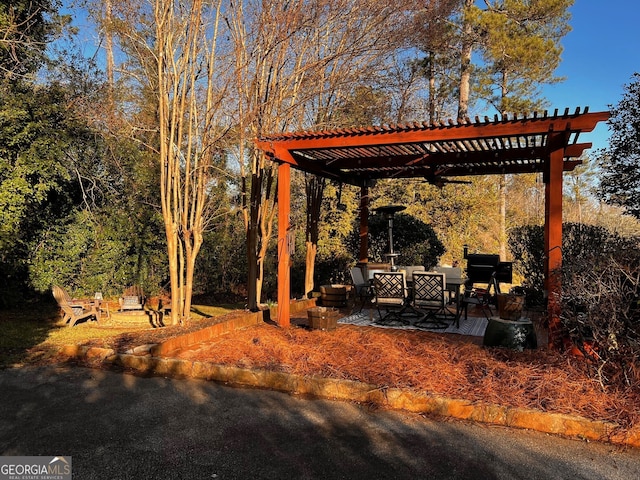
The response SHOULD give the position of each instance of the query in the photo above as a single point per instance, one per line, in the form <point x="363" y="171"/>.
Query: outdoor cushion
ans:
<point x="131" y="303"/>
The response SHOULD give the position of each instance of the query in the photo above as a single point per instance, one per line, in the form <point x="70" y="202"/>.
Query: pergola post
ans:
<point x="284" y="257"/>
<point x="363" y="257"/>
<point x="553" y="241"/>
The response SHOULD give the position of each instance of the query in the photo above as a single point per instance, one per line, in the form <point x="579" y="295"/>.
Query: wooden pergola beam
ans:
<point x="513" y="155"/>
<point x="421" y="133"/>
<point x="553" y="237"/>
<point x="363" y="256"/>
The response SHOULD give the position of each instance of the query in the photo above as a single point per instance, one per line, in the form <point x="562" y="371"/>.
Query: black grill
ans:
<point x="480" y="267"/>
<point x="504" y="272"/>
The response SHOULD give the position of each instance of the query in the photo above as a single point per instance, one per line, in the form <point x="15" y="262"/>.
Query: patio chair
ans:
<point x="132" y="299"/>
<point x="74" y="310"/>
<point x="390" y="294"/>
<point x="481" y="297"/>
<point x="451" y="273"/>
<point x="361" y="286"/>
<point x="429" y="297"/>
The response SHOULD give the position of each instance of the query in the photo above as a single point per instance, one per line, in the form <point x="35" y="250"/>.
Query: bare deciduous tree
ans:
<point x="174" y="62"/>
<point x="190" y="134"/>
<point x="289" y="54"/>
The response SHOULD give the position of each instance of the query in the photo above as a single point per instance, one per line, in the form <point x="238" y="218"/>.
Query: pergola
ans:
<point x="537" y="143"/>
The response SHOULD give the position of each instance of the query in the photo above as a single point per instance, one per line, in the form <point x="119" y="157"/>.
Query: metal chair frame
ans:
<point x="429" y="290"/>
<point x="362" y="288"/>
<point x="390" y="294"/>
<point x="481" y="297"/>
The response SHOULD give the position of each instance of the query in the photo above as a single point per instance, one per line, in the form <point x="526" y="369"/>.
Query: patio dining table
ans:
<point x="454" y="286"/>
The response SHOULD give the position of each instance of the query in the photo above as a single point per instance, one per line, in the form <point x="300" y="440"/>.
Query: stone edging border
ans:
<point x="347" y="390"/>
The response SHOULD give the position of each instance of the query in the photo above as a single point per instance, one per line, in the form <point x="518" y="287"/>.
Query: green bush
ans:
<point x="415" y="241"/>
<point x="527" y="249"/>
<point x="85" y="253"/>
<point x="578" y="241"/>
<point x="333" y="269"/>
<point x="600" y="299"/>
<point x="600" y="307"/>
<point x="221" y="266"/>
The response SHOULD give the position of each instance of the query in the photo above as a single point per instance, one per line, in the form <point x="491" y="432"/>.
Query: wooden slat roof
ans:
<point x="479" y="147"/>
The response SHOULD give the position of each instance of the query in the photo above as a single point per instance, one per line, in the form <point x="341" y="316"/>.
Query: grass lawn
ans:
<point x="30" y="334"/>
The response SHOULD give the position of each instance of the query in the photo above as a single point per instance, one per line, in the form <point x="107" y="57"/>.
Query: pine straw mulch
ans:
<point x="429" y="362"/>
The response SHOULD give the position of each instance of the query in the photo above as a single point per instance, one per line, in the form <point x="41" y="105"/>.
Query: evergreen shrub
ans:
<point x="600" y="299"/>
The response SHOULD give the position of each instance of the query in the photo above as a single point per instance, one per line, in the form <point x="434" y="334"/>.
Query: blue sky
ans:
<point x="601" y="54"/>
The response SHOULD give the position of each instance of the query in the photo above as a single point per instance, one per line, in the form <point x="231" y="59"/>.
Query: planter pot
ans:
<point x="334" y="295"/>
<point x="515" y="334"/>
<point x="510" y="306"/>
<point x="323" y="318"/>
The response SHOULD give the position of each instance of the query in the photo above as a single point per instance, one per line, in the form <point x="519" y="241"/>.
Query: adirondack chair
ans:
<point x="74" y="310"/>
<point x="132" y="299"/>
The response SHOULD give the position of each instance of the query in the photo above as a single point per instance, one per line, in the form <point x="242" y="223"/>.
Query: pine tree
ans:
<point x="521" y="50"/>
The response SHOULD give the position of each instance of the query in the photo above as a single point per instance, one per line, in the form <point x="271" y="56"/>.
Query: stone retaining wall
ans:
<point x="347" y="390"/>
<point x="242" y="320"/>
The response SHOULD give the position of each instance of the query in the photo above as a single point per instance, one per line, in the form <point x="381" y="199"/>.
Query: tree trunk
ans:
<point x="310" y="265"/>
<point x="188" y="137"/>
<point x="259" y="215"/>
<point x="254" y="279"/>
<point x="465" y="63"/>
<point x="108" y="32"/>
<point x="194" y="242"/>
<point x="502" y="191"/>
<point x="314" y="189"/>
<point x="252" y="271"/>
<point x="432" y="88"/>
<point x="502" y="182"/>
<point x="172" y="249"/>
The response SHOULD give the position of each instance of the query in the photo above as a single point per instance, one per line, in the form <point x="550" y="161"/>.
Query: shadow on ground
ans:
<point x="23" y="328"/>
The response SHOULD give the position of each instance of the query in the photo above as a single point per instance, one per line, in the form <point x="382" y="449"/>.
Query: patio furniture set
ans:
<point x="75" y="310"/>
<point x="411" y="294"/>
<point x="429" y="299"/>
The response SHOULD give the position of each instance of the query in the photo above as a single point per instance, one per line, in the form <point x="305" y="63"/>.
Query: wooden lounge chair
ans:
<point x="132" y="299"/>
<point x="74" y="310"/>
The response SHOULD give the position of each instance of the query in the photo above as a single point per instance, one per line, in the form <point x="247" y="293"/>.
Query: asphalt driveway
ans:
<point x="120" y="426"/>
